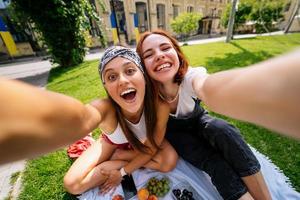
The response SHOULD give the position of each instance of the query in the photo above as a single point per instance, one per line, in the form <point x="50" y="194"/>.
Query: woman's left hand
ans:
<point x="114" y="178"/>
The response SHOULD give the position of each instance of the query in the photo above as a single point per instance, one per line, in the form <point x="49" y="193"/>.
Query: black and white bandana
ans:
<point x="119" y="51"/>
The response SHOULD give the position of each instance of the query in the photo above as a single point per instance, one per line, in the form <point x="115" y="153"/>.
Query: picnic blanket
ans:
<point x="184" y="173"/>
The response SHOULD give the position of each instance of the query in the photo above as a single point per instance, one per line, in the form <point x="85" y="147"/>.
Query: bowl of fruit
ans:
<point x="184" y="191"/>
<point x="155" y="188"/>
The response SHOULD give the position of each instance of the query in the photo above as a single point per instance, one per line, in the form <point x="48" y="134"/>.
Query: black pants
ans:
<point x="216" y="147"/>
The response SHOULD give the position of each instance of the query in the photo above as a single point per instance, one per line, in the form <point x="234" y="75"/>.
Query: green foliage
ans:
<point x="262" y="12"/>
<point x="62" y="24"/>
<point x="265" y="13"/>
<point x="241" y="15"/>
<point x="186" y="23"/>
<point x="21" y="25"/>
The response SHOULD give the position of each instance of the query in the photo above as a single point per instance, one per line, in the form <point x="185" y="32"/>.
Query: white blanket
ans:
<point x="278" y="184"/>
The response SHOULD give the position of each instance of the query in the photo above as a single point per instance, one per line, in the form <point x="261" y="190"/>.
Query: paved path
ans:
<point x="36" y="72"/>
<point x="5" y="173"/>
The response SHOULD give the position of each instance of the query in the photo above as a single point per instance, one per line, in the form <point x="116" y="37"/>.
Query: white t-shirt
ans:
<point x="139" y="129"/>
<point x="186" y="102"/>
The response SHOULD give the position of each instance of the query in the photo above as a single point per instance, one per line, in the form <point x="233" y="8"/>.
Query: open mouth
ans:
<point x="129" y="94"/>
<point x="163" y="66"/>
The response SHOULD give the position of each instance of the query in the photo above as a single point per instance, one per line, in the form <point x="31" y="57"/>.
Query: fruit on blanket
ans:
<point x="143" y="194"/>
<point x="152" y="197"/>
<point x="158" y="187"/>
<point x="118" y="197"/>
<point x="184" y="194"/>
<point x="177" y="193"/>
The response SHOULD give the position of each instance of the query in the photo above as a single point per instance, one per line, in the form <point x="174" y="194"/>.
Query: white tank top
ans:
<point x="139" y="129"/>
<point x="187" y="94"/>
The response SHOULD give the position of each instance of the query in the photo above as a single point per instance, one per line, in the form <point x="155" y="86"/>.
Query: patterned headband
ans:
<point x="119" y="51"/>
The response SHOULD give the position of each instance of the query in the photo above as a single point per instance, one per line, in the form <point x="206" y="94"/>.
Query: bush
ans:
<point x="186" y="23"/>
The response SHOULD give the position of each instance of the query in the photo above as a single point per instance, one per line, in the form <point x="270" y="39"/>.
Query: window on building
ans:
<point x="190" y="9"/>
<point x="161" y="18"/>
<point x="175" y="11"/>
<point x="201" y="11"/>
<point x="213" y="12"/>
<point x="141" y="10"/>
<point x="94" y="31"/>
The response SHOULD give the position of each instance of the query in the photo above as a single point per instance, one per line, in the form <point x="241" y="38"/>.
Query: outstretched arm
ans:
<point x="34" y="121"/>
<point x="267" y="94"/>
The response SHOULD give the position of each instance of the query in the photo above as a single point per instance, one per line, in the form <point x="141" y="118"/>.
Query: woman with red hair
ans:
<point x="208" y="143"/>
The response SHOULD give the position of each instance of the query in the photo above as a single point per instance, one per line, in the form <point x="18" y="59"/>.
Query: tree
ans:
<point x="262" y="12"/>
<point x="265" y="13"/>
<point x="241" y="14"/>
<point x="21" y="25"/>
<point x="186" y="23"/>
<point x="61" y="24"/>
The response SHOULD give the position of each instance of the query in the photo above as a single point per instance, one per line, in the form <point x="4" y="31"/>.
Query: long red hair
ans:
<point x="183" y="63"/>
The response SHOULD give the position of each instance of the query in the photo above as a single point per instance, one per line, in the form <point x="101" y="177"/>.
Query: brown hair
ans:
<point x="150" y="118"/>
<point x="183" y="63"/>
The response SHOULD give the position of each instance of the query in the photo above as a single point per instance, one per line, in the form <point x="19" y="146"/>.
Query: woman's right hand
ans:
<point x="114" y="178"/>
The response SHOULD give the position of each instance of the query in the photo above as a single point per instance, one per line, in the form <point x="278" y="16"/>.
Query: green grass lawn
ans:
<point x="43" y="176"/>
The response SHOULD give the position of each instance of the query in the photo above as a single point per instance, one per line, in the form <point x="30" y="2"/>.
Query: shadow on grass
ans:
<point x="240" y="59"/>
<point x="59" y="71"/>
<point x="68" y="196"/>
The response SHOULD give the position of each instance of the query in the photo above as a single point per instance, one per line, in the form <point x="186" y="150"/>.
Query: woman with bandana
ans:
<point x="127" y="121"/>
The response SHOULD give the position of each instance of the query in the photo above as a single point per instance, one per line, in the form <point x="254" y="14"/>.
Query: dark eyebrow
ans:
<point x="105" y="71"/>
<point x="123" y="65"/>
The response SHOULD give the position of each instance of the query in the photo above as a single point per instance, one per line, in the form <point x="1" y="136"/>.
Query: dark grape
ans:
<point x="185" y="192"/>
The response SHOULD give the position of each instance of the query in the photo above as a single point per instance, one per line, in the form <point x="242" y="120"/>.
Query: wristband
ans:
<point x="122" y="171"/>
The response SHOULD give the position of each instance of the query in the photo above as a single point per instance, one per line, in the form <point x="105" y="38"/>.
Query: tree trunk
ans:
<point x="231" y="22"/>
<point x="292" y="17"/>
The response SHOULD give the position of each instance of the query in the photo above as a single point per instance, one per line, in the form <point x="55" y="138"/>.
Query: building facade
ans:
<point x="13" y="43"/>
<point x="126" y="19"/>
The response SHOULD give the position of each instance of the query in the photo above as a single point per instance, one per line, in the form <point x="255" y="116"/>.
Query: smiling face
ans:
<point x="160" y="58"/>
<point x="125" y="83"/>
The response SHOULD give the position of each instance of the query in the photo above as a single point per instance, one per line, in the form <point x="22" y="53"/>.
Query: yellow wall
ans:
<point x="24" y="49"/>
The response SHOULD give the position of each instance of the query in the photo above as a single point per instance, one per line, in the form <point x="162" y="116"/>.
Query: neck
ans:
<point x="168" y="89"/>
<point x="133" y="117"/>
